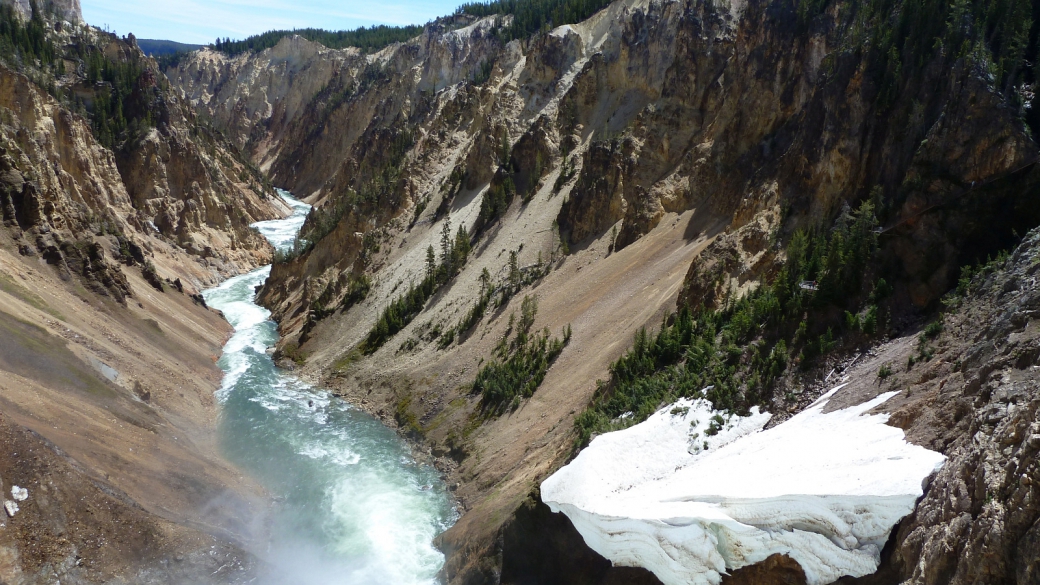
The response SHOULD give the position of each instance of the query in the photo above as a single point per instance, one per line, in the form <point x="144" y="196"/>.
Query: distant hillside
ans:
<point x="155" y="48"/>
<point x="369" y="39"/>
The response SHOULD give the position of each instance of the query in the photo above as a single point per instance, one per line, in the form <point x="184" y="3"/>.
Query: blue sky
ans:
<point x="202" y="21"/>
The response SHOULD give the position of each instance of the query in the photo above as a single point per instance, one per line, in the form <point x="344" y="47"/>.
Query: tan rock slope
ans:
<point x="652" y="154"/>
<point x="107" y="353"/>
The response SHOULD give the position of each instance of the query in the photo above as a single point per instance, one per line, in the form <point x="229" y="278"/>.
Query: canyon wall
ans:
<point x="60" y="10"/>
<point x="655" y="154"/>
<point x="107" y="349"/>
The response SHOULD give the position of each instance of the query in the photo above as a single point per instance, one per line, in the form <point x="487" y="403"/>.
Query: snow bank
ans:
<point x="825" y="489"/>
<point x="20" y="494"/>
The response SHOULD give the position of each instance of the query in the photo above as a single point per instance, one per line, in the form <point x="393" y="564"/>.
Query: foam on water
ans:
<point x="355" y="508"/>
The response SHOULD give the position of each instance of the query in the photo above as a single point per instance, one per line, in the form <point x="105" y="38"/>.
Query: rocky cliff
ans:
<point x="968" y="391"/>
<point x="110" y="230"/>
<point x="173" y="195"/>
<point x="59" y="10"/>
<point x="658" y="152"/>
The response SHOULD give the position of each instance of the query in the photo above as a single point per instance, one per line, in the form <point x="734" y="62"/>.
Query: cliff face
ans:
<point x="968" y="389"/>
<point x="175" y="196"/>
<point x="661" y="149"/>
<point x="107" y="352"/>
<point x="60" y="10"/>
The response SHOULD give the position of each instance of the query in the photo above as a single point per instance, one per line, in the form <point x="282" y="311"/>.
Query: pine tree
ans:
<point x="485" y="282"/>
<point x="446" y="247"/>
<point x="514" y="273"/>
<point x="431" y="263"/>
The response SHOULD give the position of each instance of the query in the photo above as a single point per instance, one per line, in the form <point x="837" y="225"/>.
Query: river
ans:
<point x="352" y="506"/>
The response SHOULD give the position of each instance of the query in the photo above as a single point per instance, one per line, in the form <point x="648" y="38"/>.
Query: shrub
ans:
<point x="357" y="291"/>
<point x="400" y="312"/>
<point x="734" y="355"/>
<point x="519" y="365"/>
<point x="933" y="329"/>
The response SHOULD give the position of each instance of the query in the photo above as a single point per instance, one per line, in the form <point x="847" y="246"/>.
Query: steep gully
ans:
<point x="353" y="506"/>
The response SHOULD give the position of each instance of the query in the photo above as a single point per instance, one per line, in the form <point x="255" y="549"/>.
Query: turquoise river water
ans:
<point x="352" y="506"/>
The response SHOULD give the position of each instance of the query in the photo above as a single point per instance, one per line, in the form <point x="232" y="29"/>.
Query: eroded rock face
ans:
<point x="85" y="209"/>
<point x="654" y="108"/>
<point x="114" y="496"/>
<point x="738" y="114"/>
<point x="978" y="401"/>
<point x="62" y="10"/>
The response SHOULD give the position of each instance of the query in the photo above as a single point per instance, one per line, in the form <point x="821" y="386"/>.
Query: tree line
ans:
<point x="25" y="42"/>
<point x="368" y="39"/>
<point x="533" y="16"/>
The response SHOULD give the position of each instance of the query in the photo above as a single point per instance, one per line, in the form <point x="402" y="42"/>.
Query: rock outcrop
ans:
<point x="60" y="10"/>
<point x="974" y="396"/>
<point x="175" y="197"/>
<point x="112" y="224"/>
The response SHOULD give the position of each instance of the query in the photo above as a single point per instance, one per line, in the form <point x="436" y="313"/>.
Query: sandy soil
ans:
<point x="605" y="297"/>
<point x="125" y="395"/>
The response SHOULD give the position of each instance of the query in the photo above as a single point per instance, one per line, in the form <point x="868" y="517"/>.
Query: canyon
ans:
<point x="647" y="158"/>
<point x="570" y="195"/>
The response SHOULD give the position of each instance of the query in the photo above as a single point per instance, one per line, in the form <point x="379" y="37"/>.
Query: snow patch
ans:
<point x="20" y="494"/>
<point x="692" y="493"/>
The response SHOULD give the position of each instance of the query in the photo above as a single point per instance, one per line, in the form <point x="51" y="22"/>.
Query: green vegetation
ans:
<point x="925" y="352"/>
<point x="516" y="279"/>
<point x="482" y="75"/>
<point x="151" y="276"/>
<point x="357" y="288"/>
<point x="160" y="48"/>
<point x="123" y="108"/>
<point x="123" y="105"/>
<point x="734" y="355"/>
<point x="903" y="37"/>
<point x="368" y="39"/>
<point x="533" y="16"/>
<point x="884" y="372"/>
<point x="474" y="315"/>
<point x="401" y="311"/>
<point x="971" y="277"/>
<point x="322" y="220"/>
<point x="406" y="420"/>
<point x="171" y="60"/>
<point x="496" y="201"/>
<point x="519" y="365"/>
<point x="933" y="329"/>
<point x="357" y="291"/>
<point x="292" y="352"/>
<point x="26" y="42"/>
<point x="500" y="193"/>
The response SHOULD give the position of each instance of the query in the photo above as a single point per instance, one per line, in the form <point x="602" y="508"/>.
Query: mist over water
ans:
<point x="353" y="506"/>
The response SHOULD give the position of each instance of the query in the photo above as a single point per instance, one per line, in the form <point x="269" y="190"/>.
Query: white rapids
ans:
<point x="353" y="507"/>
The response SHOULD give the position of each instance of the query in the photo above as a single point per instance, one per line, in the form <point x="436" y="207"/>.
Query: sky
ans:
<point x="202" y="21"/>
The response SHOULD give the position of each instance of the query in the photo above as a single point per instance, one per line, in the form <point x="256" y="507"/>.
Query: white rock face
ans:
<point x="61" y="9"/>
<point x="825" y="489"/>
<point x="20" y="494"/>
<point x="11" y="507"/>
